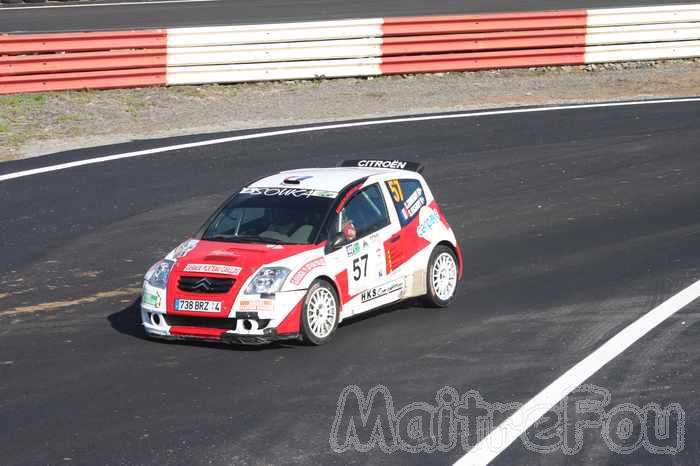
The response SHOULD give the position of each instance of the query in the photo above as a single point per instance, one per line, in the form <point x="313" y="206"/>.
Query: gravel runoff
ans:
<point x="37" y="124"/>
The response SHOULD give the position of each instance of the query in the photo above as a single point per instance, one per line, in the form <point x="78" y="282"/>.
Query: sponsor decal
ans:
<point x="257" y="305"/>
<point x="299" y="193"/>
<point x="395" y="164"/>
<point x="212" y="268"/>
<point x="151" y="299"/>
<point x="281" y="192"/>
<point x="183" y="249"/>
<point x="380" y="258"/>
<point x="328" y="194"/>
<point x="221" y="252"/>
<point x="389" y="265"/>
<point x="353" y="249"/>
<point x="414" y="208"/>
<point x="413" y="203"/>
<point x="298" y="277"/>
<point x="414" y="197"/>
<point x="428" y="223"/>
<point x="275" y="246"/>
<point x="382" y="290"/>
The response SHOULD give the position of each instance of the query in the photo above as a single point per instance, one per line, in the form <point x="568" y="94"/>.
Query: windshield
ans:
<point x="271" y="215"/>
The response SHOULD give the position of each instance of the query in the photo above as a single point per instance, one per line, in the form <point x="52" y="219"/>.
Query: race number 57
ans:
<point x="395" y="188"/>
<point x="359" y="267"/>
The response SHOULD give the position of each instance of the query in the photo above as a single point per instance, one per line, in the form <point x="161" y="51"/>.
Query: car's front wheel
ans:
<point x="320" y="314"/>
<point x="442" y="276"/>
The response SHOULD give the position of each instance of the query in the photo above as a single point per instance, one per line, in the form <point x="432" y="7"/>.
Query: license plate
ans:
<point x="196" y="305"/>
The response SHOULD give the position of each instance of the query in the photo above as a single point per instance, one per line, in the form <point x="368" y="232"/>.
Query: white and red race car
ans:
<point x="294" y="254"/>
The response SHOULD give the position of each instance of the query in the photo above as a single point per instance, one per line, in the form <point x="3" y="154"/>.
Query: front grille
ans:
<point x="222" y="323"/>
<point x="205" y="284"/>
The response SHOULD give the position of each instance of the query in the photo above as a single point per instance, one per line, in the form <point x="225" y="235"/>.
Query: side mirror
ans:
<point x="337" y="240"/>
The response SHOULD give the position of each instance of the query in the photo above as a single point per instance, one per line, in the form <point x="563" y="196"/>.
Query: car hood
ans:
<point x="248" y="256"/>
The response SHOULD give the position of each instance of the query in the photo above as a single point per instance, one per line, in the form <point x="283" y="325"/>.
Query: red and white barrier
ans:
<point x="364" y="47"/>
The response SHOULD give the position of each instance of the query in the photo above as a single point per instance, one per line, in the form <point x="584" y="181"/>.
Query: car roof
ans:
<point x="329" y="179"/>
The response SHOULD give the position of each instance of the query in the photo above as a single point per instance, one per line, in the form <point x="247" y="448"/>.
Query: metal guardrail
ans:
<point x="366" y="47"/>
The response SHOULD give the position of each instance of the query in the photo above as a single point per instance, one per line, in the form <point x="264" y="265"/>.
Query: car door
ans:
<point x="408" y="197"/>
<point x="361" y="255"/>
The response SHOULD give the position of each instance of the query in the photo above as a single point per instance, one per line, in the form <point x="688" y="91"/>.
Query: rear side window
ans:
<point x="408" y="197"/>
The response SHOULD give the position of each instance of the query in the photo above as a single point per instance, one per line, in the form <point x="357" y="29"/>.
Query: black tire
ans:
<point x="309" y="336"/>
<point x="431" y="298"/>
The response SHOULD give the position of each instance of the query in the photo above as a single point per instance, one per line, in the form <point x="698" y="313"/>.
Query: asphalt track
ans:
<point x="144" y="14"/>
<point x="573" y="223"/>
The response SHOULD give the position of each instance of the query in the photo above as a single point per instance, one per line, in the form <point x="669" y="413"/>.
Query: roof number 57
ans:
<point x="395" y="188"/>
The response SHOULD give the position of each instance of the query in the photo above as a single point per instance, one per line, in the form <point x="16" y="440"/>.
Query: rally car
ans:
<point x="292" y="255"/>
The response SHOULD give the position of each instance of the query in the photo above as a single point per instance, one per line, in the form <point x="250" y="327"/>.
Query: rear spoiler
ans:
<point x="391" y="164"/>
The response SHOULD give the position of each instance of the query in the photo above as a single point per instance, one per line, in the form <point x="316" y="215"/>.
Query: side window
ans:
<point x="408" y="197"/>
<point x="366" y="211"/>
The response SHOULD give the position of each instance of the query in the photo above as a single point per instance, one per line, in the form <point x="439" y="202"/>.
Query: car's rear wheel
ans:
<point x="442" y="276"/>
<point x="320" y="314"/>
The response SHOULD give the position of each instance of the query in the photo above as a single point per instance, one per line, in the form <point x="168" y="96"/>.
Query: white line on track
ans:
<point x="311" y="129"/>
<point x="85" y="5"/>
<point x="507" y="432"/>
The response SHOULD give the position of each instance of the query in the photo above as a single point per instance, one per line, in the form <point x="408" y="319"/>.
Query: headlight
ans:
<point x="268" y="280"/>
<point x="157" y="275"/>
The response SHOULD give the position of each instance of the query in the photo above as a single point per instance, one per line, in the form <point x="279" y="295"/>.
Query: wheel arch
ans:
<point x="457" y="252"/>
<point x="335" y="286"/>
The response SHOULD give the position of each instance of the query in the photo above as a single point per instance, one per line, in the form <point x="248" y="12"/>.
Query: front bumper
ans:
<point x="157" y="325"/>
<point x="243" y="327"/>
